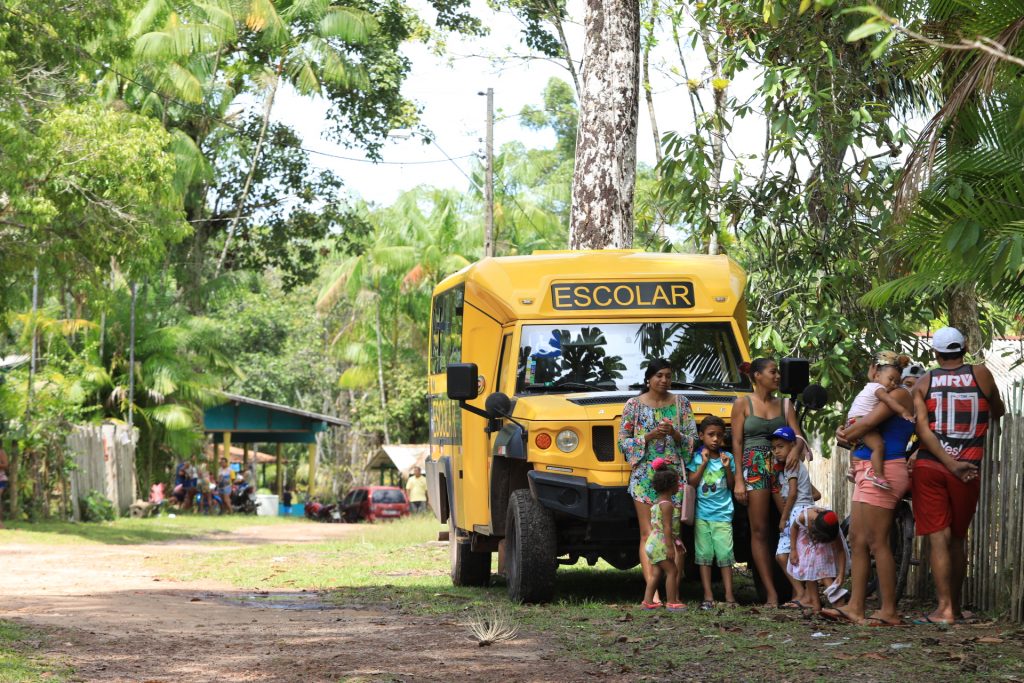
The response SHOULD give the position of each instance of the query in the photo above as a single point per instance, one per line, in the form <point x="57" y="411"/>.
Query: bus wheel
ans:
<point x="468" y="568"/>
<point x="530" y="549"/>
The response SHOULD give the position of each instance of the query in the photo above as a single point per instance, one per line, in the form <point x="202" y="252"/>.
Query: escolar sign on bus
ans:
<point x="618" y="295"/>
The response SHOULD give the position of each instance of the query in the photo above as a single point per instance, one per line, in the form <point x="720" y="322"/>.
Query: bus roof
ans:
<point x="585" y="284"/>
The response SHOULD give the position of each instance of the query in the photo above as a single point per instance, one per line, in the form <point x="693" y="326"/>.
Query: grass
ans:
<point x="17" y="663"/>
<point x="396" y="567"/>
<point x="129" y="531"/>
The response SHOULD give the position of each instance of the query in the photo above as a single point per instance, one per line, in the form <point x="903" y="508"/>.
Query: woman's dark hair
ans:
<point x="665" y="480"/>
<point x="824" y="528"/>
<point x="759" y="365"/>
<point x="653" y="368"/>
<point x="952" y="355"/>
<point x="711" y="421"/>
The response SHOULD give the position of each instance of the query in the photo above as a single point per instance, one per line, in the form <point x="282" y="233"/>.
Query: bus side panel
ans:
<point x="481" y="344"/>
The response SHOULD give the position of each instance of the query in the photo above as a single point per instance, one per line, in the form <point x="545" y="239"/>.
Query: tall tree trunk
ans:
<point x="556" y="19"/>
<point x="604" y="177"/>
<point x="267" y="107"/>
<point x="962" y="303"/>
<point x="380" y="375"/>
<point x="713" y="48"/>
<point x="645" y="68"/>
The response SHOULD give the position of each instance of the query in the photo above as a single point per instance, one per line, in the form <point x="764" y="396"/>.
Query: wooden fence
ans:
<point x="995" y="543"/>
<point x="104" y="457"/>
<point x="995" y="569"/>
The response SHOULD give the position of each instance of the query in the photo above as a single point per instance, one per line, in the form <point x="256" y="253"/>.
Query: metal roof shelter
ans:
<point x="397" y="460"/>
<point x="245" y="420"/>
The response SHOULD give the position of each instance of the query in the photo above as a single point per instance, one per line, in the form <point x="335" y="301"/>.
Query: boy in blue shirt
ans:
<point x="712" y="471"/>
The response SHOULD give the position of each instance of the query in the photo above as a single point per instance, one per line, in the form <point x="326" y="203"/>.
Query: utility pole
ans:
<point x="131" y="365"/>
<point x="489" y="179"/>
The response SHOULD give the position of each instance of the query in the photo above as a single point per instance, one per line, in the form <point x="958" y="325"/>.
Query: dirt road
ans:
<point x="113" y="619"/>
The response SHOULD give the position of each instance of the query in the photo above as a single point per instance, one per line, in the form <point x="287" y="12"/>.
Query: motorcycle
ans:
<point x="318" y="512"/>
<point x="243" y="500"/>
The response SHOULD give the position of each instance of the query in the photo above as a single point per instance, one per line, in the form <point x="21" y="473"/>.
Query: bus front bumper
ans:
<point x="576" y="497"/>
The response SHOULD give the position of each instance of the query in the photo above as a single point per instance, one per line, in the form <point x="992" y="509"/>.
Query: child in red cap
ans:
<point x="818" y="551"/>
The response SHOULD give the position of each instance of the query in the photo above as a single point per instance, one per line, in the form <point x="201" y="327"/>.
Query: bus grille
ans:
<point x="603" y="438"/>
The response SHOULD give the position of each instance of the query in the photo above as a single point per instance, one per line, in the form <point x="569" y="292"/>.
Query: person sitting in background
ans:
<point x="184" y="490"/>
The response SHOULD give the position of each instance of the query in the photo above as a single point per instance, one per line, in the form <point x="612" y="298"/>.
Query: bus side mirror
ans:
<point x="796" y="375"/>
<point x="814" y="397"/>
<point x="462" y="381"/>
<point x="498" y="405"/>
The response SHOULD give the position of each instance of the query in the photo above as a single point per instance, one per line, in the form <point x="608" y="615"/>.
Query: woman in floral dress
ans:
<point x="655" y="424"/>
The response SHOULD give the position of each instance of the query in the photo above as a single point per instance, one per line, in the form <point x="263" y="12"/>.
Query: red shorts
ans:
<point x="941" y="500"/>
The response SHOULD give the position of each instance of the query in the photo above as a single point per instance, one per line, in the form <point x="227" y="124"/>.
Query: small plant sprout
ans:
<point x="491" y="628"/>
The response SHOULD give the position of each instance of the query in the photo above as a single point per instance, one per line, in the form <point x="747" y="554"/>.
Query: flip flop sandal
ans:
<point x="676" y="606"/>
<point x="876" y="622"/>
<point x="651" y="605"/>
<point x="707" y="604"/>
<point x="928" y="621"/>
<point x="836" y="614"/>
<point x="792" y="604"/>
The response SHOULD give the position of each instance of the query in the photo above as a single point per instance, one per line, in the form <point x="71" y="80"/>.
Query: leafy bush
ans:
<point x="97" y="508"/>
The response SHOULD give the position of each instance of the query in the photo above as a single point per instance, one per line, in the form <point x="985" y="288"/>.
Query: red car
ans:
<point x="371" y="503"/>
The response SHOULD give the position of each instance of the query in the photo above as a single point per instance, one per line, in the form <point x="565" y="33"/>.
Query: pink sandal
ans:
<point x="651" y="605"/>
<point x="877" y="480"/>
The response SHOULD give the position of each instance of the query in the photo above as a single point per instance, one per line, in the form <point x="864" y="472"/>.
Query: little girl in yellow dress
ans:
<point x="661" y="545"/>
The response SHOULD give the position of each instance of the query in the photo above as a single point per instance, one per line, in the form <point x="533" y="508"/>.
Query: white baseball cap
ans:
<point x="948" y="340"/>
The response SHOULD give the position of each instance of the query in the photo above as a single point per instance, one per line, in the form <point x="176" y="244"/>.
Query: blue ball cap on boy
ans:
<point x="784" y="433"/>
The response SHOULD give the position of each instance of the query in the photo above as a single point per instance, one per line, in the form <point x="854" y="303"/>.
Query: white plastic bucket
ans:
<point x="267" y="505"/>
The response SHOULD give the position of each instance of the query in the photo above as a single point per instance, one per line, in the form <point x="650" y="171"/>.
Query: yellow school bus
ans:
<point x="531" y="361"/>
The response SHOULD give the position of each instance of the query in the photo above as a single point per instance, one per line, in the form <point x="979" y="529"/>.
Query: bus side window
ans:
<point x="504" y="379"/>
<point x="437" y="335"/>
<point x="446" y="330"/>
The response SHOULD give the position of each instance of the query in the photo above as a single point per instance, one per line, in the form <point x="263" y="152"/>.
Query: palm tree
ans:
<point x="959" y="228"/>
<point x="303" y="42"/>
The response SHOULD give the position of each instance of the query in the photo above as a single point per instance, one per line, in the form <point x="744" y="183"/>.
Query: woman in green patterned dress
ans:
<point x="754" y="419"/>
<point x="655" y="424"/>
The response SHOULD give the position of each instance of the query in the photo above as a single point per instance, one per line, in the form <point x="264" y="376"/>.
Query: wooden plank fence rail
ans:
<point x="104" y="457"/>
<point x="995" y="544"/>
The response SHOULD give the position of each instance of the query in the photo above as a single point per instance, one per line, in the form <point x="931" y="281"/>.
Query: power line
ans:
<point x="449" y="158"/>
<point x="390" y="163"/>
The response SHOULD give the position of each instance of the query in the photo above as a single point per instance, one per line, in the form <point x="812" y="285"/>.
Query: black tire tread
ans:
<point x="531" y="575"/>
<point x="468" y="568"/>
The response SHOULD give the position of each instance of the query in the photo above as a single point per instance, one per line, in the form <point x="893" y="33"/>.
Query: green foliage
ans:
<point x="967" y="225"/>
<point x="406" y="405"/>
<point x="808" y="213"/>
<point x="292" y="212"/>
<point x="97" y="508"/>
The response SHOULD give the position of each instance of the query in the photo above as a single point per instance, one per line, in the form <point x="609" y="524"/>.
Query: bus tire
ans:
<point x="468" y="568"/>
<point x="530" y="549"/>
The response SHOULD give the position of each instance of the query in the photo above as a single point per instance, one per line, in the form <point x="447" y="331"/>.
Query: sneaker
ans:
<point x="878" y="481"/>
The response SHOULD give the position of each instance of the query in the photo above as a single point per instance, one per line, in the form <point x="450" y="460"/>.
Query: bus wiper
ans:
<point x="572" y="386"/>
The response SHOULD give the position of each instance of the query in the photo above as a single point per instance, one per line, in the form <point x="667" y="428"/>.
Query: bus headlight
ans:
<point x="567" y="441"/>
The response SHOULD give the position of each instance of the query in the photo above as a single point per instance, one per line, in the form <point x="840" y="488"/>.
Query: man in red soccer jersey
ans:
<point x="954" y="405"/>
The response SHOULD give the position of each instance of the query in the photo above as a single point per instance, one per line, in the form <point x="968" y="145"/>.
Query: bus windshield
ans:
<point x="613" y="356"/>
